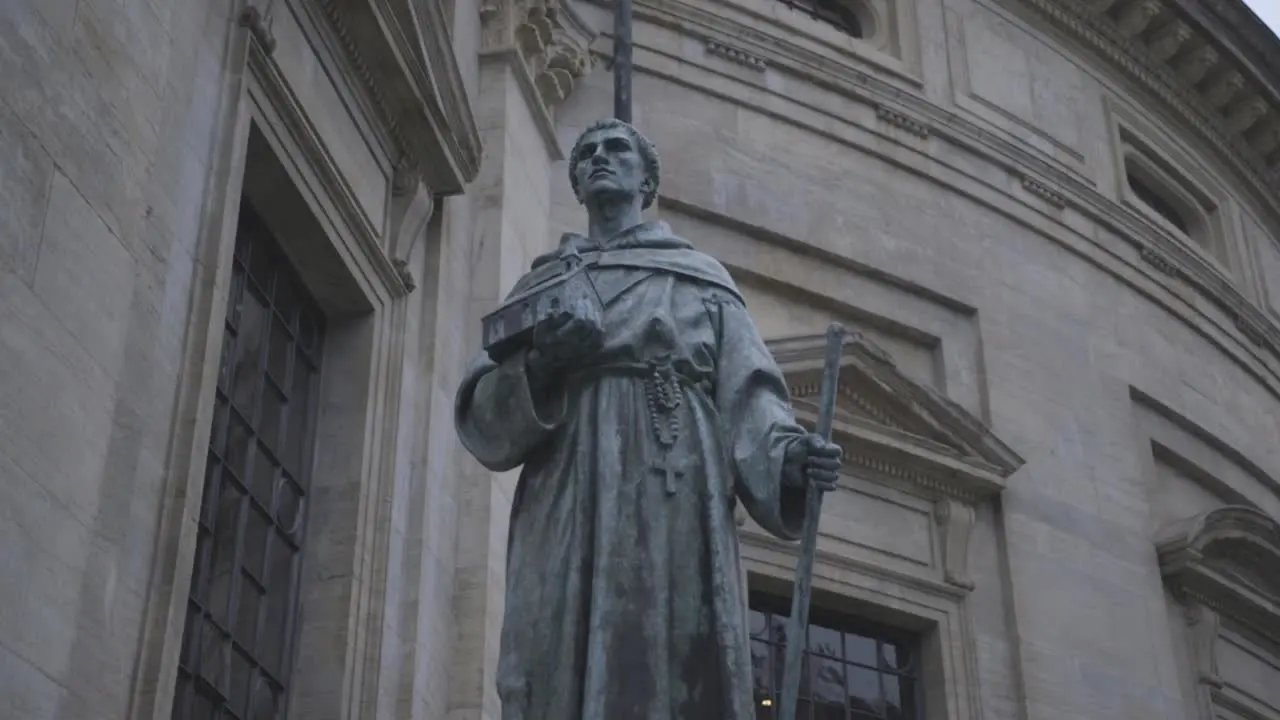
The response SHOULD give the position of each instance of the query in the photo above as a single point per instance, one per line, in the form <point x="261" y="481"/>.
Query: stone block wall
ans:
<point x="109" y="116"/>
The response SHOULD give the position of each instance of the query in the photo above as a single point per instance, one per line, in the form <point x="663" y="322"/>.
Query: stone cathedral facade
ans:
<point x="245" y="246"/>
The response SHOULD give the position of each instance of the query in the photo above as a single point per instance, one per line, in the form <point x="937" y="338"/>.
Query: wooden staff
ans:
<point x="799" y="619"/>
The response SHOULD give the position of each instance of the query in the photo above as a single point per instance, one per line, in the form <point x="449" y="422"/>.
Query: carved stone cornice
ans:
<point x="550" y="36"/>
<point x="894" y="428"/>
<point x="1228" y="560"/>
<point x="403" y="56"/>
<point x="1177" y="50"/>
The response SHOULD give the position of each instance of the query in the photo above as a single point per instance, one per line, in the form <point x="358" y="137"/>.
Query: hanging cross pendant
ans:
<point x="670" y="473"/>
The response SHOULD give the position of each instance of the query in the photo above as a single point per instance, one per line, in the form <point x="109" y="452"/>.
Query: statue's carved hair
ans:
<point x="648" y="154"/>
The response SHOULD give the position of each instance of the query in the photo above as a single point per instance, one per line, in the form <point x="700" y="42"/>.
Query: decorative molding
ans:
<point x="1251" y="331"/>
<point x="1044" y="192"/>
<point x="251" y="18"/>
<point x="1135" y="17"/>
<point x="1228" y="560"/>
<point x="892" y="427"/>
<point x="733" y="54"/>
<point x="316" y="154"/>
<point x="403" y="55"/>
<point x="1161" y="262"/>
<point x="901" y="119"/>
<point x="955" y="521"/>
<point x="411" y="209"/>
<point x="552" y="39"/>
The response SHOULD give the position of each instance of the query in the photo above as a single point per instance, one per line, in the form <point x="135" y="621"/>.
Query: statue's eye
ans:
<point x="617" y="145"/>
<point x="586" y="152"/>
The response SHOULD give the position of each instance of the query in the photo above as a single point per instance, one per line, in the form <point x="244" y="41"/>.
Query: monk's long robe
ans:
<point x="624" y="599"/>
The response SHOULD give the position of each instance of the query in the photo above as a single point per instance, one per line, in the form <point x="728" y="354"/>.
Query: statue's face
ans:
<point x="609" y="162"/>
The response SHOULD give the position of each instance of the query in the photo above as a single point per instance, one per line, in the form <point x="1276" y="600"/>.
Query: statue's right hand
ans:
<point x="563" y="340"/>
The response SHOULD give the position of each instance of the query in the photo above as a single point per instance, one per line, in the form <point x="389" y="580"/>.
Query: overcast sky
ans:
<point x="1268" y="10"/>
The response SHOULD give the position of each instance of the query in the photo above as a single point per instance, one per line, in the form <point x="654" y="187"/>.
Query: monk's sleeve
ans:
<point x="497" y="416"/>
<point x="759" y="424"/>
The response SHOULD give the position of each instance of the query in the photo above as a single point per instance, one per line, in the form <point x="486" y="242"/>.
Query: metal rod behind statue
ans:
<point x="622" y="60"/>
<point x="803" y="590"/>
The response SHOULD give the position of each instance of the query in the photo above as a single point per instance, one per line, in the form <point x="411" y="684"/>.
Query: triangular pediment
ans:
<point x="879" y="409"/>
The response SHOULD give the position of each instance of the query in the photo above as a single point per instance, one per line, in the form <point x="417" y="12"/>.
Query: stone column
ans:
<point x="533" y="52"/>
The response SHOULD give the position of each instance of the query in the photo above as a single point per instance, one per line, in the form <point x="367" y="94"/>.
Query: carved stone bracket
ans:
<point x="411" y="209"/>
<point x="1227" y="560"/>
<point x="1161" y="262"/>
<point x="955" y="520"/>
<point x="552" y="39"/>
<point x="733" y="54"/>
<point x="1135" y="17"/>
<point x="252" y="19"/>
<point x="1203" y="625"/>
<point x="900" y="119"/>
<point x="1044" y="192"/>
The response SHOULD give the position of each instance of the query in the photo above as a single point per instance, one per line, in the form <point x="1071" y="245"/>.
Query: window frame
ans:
<point x="1172" y="170"/>
<point x="774" y="606"/>
<point x="1191" y="206"/>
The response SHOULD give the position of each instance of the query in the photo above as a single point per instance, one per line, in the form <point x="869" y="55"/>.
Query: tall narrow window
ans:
<point x="852" y="669"/>
<point x="236" y="649"/>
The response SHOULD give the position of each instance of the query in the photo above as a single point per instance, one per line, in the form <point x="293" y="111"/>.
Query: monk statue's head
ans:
<point x="613" y="164"/>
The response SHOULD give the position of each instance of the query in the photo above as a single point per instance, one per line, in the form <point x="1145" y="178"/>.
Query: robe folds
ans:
<point x="623" y="597"/>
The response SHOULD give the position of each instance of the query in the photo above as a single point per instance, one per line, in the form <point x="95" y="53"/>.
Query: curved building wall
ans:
<point x="960" y="196"/>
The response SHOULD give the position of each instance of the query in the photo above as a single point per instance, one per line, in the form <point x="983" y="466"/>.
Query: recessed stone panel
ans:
<point x="855" y="520"/>
<point x="1014" y="80"/>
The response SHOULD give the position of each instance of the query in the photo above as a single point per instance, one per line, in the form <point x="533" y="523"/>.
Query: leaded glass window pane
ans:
<point x="852" y="669"/>
<point x="236" y="647"/>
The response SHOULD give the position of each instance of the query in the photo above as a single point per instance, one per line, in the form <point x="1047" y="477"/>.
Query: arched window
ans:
<point x="848" y="16"/>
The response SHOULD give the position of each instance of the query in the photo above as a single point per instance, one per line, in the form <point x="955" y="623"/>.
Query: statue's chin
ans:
<point x="606" y="191"/>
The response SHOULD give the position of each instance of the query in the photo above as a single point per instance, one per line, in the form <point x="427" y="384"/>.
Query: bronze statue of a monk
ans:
<point x="640" y="420"/>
